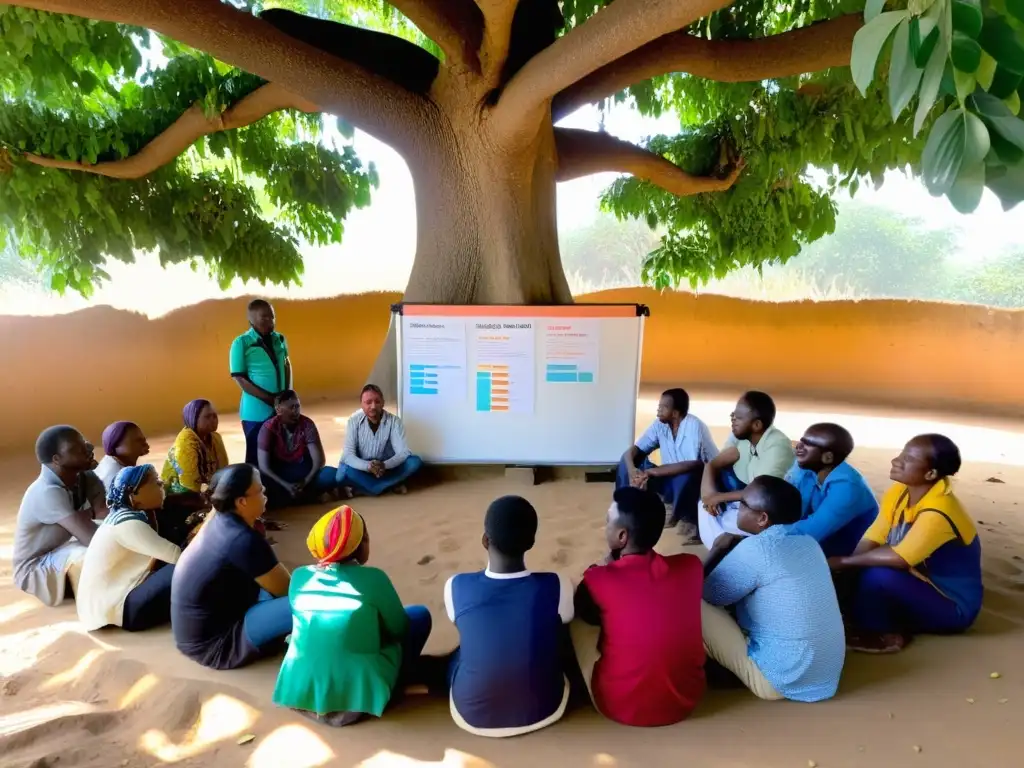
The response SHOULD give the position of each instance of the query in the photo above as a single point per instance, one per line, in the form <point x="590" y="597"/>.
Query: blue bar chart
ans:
<point x="557" y="373"/>
<point x="435" y="360"/>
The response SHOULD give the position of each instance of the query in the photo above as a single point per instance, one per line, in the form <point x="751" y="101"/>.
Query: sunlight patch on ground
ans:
<point x="14" y="610"/>
<point x="75" y="673"/>
<point x="220" y="717"/>
<point x="30" y="718"/>
<point x="22" y="650"/>
<point x="140" y="688"/>
<point x="452" y="759"/>
<point x="293" y="745"/>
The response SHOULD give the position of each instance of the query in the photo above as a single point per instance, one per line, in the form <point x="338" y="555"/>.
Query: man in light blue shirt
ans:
<point x="685" y="443"/>
<point x="787" y="640"/>
<point x="838" y="506"/>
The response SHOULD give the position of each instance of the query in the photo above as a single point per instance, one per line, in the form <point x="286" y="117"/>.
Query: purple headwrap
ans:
<point x="190" y="414"/>
<point x="114" y="434"/>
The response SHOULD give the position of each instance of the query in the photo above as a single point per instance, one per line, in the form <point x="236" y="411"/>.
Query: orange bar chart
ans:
<point x="492" y="387"/>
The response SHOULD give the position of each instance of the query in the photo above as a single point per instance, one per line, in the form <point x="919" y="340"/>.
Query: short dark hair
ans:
<point x="50" y="439"/>
<point x="229" y="485"/>
<point x="680" y="399"/>
<point x="256" y="304"/>
<point x="946" y="460"/>
<point x="762" y="405"/>
<point x="777" y="499"/>
<point x="840" y="441"/>
<point x="284" y="396"/>
<point x="511" y="525"/>
<point x="642" y="514"/>
<point x="371" y="388"/>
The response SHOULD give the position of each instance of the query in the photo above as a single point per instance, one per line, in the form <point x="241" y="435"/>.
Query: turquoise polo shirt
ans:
<point x="250" y="358"/>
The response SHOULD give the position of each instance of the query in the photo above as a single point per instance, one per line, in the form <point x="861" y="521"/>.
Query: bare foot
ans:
<point x="688" y="532"/>
<point x="866" y="642"/>
<point x="401" y="490"/>
<point x="347" y="492"/>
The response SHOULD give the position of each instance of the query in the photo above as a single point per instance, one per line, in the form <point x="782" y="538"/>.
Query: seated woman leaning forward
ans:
<point x="198" y="452"/>
<point x="352" y="642"/>
<point x="918" y="567"/>
<point x="124" y="444"/>
<point x="229" y="596"/>
<point x="291" y="456"/>
<point x="126" y="576"/>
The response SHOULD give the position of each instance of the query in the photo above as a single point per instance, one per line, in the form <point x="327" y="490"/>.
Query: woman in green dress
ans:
<point x="352" y="642"/>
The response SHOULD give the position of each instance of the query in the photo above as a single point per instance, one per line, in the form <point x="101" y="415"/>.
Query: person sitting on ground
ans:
<point x="197" y="454"/>
<point x="686" y="445"/>
<point x="291" y="456"/>
<point x="787" y="639"/>
<point x="507" y="675"/>
<point x="229" y="593"/>
<point x="352" y="642"/>
<point x="649" y="670"/>
<point x="56" y="520"/>
<point x="838" y="505"/>
<point x="126" y="576"/>
<point x="918" y="567"/>
<point x="376" y="457"/>
<point x="124" y="444"/>
<point x="754" y="448"/>
<point x="261" y="368"/>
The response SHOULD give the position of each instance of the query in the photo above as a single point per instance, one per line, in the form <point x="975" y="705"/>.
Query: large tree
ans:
<point x="97" y="116"/>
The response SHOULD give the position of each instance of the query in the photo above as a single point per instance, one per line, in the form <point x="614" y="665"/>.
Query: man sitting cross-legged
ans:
<point x="787" y="641"/>
<point x="376" y="457"/>
<point x="685" y="443"/>
<point x="648" y="668"/>
<point x="838" y="505"/>
<point x="754" y="448"/>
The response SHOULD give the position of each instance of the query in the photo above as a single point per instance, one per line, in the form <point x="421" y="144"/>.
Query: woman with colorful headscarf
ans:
<point x="126" y="576"/>
<point x="124" y="444"/>
<point x="352" y="641"/>
<point x="197" y="454"/>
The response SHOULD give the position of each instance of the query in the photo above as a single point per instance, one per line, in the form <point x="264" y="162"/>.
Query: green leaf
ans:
<point x="58" y="282"/>
<point x="1004" y="82"/>
<point x="967" y="18"/>
<point x="998" y="117"/>
<point x="1013" y="102"/>
<point x="917" y="7"/>
<point x="1004" y="151"/>
<point x="964" y="84"/>
<point x="867" y="45"/>
<point x="976" y="140"/>
<point x="652" y="220"/>
<point x="874" y="7"/>
<point x="986" y="71"/>
<point x="1008" y="185"/>
<point x="924" y="34"/>
<point x="943" y="153"/>
<point x="1000" y="41"/>
<point x="930" y="83"/>
<point x="904" y="74"/>
<point x="965" y="53"/>
<point x="966" y="192"/>
<point x="1016" y="9"/>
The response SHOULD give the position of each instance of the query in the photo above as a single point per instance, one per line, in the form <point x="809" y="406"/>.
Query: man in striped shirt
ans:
<point x="376" y="457"/>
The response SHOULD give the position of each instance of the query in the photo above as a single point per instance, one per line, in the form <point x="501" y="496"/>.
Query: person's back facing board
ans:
<point x="507" y="676"/>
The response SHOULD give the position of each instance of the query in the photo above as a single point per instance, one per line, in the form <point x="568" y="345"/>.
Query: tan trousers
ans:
<point x="725" y="642"/>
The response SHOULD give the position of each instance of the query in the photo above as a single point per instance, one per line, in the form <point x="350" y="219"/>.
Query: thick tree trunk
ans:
<point x="486" y="228"/>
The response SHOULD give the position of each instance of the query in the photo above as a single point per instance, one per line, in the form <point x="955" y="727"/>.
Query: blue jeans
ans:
<point x="891" y="600"/>
<point x="149" y="604"/>
<point x="268" y="622"/>
<point x="368" y="485"/>
<point x="681" y="491"/>
<point x="251" y="430"/>
<point x="323" y="482"/>
<point x="420" y="625"/>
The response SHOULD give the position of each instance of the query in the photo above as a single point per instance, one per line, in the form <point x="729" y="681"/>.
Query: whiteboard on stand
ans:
<point x="530" y="385"/>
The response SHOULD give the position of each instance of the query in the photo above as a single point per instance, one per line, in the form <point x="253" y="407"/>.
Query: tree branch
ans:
<point x="184" y="132"/>
<point x="498" y="15"/>
<point x="338" y="86"/>
<point x="455" y="25"/>
<point x="583" y="153"/>
<point x="613" y="32"/>
<point x="808" y="49"/>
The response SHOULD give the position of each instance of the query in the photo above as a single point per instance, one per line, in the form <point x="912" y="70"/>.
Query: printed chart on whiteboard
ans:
<point x="504" y="355"/>
<point x="435" y="350"/>
<point x="571" y="351"/>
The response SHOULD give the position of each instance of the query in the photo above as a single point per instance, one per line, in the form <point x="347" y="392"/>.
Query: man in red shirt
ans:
<point x="648" y="668"/>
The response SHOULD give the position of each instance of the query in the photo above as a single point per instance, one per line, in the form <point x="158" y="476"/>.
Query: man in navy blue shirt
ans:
<point x="507" y="676"/>
<point x="838" y="505"/>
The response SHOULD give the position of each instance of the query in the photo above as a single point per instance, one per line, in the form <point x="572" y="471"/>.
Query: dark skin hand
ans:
<point x="714" y="501"/>
<point x="869" y="554"/>
<point x="723" y="545"/>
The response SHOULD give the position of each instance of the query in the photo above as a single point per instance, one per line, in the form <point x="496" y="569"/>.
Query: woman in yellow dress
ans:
<point x="198" y="452"/>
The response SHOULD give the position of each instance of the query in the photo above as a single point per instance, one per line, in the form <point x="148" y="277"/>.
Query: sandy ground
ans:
<point x="109" y="698"/>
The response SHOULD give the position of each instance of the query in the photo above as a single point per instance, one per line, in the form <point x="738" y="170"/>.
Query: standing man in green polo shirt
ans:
<point x="260" y="366"/>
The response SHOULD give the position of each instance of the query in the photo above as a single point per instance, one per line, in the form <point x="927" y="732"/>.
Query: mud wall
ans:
<point x="92" y="367"/>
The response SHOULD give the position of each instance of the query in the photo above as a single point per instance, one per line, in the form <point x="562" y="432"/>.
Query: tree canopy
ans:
<point x="115" y="138"/>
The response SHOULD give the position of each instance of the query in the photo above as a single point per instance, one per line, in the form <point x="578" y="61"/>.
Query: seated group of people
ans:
<point x="802" y="564"/>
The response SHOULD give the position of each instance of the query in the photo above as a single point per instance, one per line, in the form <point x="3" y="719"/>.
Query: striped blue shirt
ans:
<point x="691" y="442"/>
<point x="786" y="604"/>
